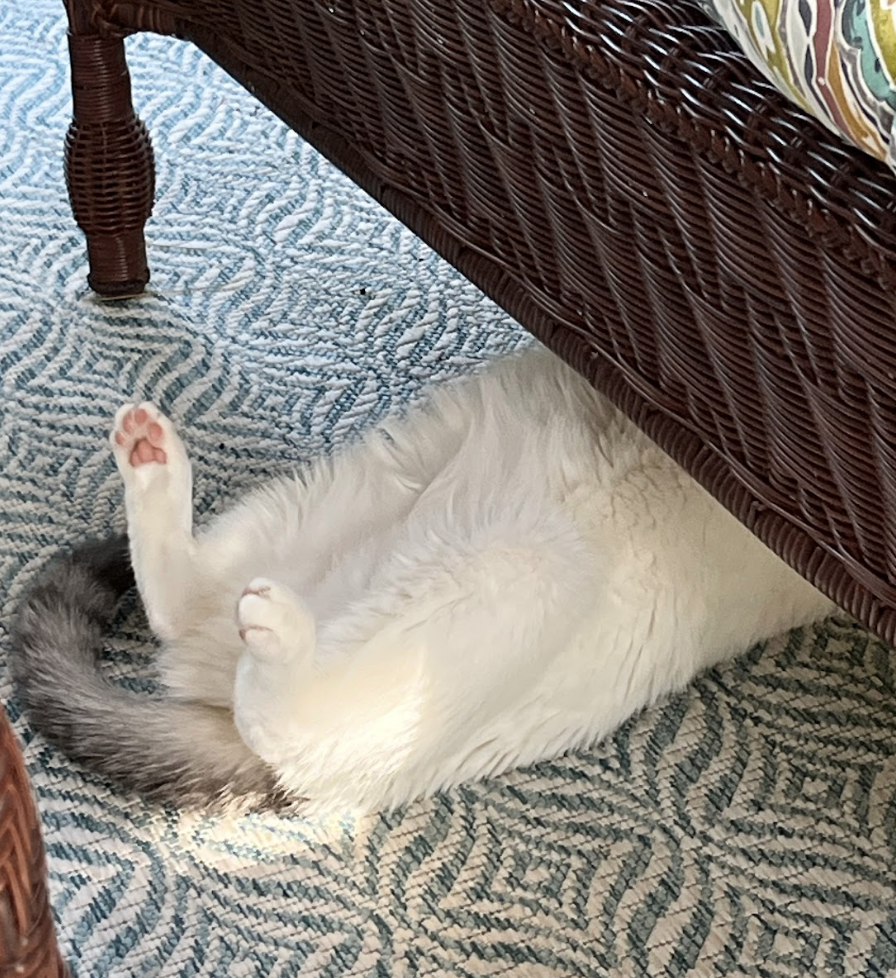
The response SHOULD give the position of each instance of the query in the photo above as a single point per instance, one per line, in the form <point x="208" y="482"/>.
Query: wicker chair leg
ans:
<point x="108" y="162"/>
<point x="28" y="946"/>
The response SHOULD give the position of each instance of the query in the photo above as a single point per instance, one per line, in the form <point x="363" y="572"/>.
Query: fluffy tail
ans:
<point x="189" y="754"/>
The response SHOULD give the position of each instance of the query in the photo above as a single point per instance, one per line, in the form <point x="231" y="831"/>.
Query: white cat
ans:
<point x="507" y="572"/>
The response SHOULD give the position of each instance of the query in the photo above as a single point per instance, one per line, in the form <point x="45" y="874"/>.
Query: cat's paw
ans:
<point x="143" y="439"/>
<point x="139" y="435"/>
<point x="274" y="623"/>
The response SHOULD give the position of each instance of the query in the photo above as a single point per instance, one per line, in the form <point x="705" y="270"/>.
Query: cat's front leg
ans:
<point x="158" y="493"/>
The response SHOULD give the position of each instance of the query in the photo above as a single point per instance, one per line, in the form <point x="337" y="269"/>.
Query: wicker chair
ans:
<point x="619" y="178"/>
<point x="27" y="936"/>
<point x="622" y="180"/>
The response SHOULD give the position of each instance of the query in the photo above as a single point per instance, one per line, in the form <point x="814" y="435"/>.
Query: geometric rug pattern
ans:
<point x="746" y="827"/>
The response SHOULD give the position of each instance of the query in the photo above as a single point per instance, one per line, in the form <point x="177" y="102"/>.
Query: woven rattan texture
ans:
<point x="108" y="164"/>
<point x="622" y="181"/>
<point x="27" y="933"/>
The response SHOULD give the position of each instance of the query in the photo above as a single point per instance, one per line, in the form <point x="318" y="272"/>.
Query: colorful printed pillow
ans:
<point x="835" y="58"/>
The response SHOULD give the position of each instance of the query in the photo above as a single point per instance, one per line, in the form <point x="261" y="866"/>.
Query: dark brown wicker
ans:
<point x="27" y="934"/>
<point x="108" y="161"/>
<point x="619" y="178"/>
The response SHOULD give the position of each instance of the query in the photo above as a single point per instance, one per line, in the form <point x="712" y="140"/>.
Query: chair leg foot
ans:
<point x="108" y="166"/>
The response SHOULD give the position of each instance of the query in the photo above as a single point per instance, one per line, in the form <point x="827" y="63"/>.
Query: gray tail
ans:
<point x="186" y="753"/>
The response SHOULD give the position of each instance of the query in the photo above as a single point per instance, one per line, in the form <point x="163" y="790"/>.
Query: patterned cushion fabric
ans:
<point x="835" y="58"/>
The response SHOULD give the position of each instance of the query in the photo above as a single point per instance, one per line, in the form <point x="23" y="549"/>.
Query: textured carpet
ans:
<point x="746" y="827"/>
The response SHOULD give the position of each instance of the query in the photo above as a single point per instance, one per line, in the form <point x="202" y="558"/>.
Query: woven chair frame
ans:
<point x="27" y="931"/>
<point x="618" y="177"/>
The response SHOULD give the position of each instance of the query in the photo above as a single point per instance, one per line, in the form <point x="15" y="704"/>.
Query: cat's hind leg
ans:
<point x="279" y="634"/>
<point x="432" y="677"/>
<point x="327" y="732"/>
<point x="276" y="627"/>
<point x="158" y="491"/>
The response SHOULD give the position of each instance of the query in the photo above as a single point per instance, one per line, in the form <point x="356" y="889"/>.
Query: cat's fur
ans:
<point x="507" y="572"/>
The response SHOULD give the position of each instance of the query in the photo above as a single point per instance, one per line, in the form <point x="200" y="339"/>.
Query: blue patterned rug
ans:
<point x="747" y="827"/>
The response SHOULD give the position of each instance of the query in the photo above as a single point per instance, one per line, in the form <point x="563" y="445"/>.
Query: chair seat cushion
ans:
<point x="835" y="58"/>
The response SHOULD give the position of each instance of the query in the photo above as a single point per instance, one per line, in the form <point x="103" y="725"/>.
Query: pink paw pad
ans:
<point x="143" y="436"/>
<point x="258" y="592"/>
